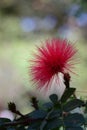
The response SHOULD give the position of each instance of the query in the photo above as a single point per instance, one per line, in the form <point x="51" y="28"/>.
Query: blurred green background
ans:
<point x="26" y="23"/>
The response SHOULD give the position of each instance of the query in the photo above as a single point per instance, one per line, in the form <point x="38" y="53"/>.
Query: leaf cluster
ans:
<point x="53" y="115"/>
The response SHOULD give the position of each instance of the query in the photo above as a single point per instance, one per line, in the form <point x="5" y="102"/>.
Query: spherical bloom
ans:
<point x="53" y="57"/>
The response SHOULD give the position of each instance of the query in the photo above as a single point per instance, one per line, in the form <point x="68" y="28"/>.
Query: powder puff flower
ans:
<point x="53" y="57"/>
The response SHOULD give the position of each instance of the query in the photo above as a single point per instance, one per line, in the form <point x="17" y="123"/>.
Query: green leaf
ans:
<point x="34" y="125"/>
<point x="56" y="128"/>
<point x="31" y="129"/>
<point x="4" y="120"/>
<point x="67" y="94"/>
<point x="85" y="116"/>
<point x="86" y="107"/>
<point x="54" y="98"/>
<point x="74" y="120"/>
<point x="11" y="128"/>
<point x="48" y="105"/>
<point x="20" y="128"/>
<point x="72" y="105"/>
<point x="55" y="114"/>
<point x="38" y="114"/>
<point x="54" y="123"/>
<point x="74" y="128"/>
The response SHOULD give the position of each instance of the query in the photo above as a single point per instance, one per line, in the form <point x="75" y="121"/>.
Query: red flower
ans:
<point x="53" y="56"/>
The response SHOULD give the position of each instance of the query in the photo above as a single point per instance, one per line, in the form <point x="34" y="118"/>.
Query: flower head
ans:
<point x="54" y="56"/>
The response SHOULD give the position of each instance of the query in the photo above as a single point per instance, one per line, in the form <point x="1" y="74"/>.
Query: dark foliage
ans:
<point x="51" y="116"/>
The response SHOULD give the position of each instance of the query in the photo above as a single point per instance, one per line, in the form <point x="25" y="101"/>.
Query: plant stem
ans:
<point x="25" y="122"/>
<point x="44" y="122"/>
<point x="62" y="117"/>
